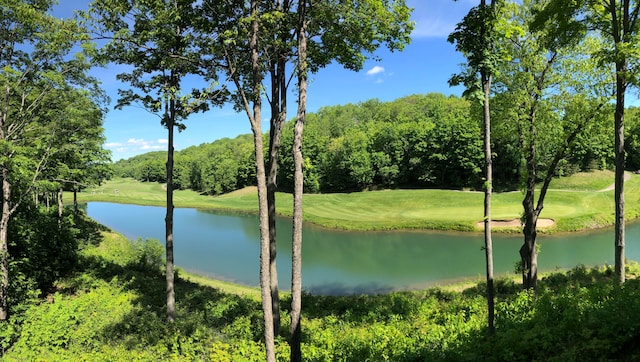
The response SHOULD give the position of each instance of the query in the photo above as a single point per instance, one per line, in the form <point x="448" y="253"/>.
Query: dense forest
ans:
<point x="419" y="141"/>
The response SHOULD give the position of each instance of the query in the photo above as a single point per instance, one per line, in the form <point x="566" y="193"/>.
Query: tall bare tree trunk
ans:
<point x="621" y="85"/>
<point x="488" y="190"/>
<point x="278" y="116"/>
<point x="171" y="295"/>
<point x="75" y="202"/>
<point x="528" y="251"/>
<point x="265" y="280"/>
<point x="298" y="189"/>
<point x="4" y="250"/>
<point x="60" y="206"/>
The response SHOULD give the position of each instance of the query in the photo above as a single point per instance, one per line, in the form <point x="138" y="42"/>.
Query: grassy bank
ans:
<point x="574" y="203"/>
<point x="112" y="309"/>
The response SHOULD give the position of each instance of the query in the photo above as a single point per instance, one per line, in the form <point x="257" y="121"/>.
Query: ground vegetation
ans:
<point x="112" y="308"/>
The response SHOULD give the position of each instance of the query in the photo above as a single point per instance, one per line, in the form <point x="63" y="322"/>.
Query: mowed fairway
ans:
<point x="574" y="203"/>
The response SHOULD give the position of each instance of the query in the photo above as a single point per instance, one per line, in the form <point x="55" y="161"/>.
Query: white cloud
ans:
<point x="379" y="81"/>
<point x="148" y="147"/>
<point x="136" y="141"/>
<point x="136" y="145"/>
<point x="375" y="70"/>
<point x="437" y="18"/>
<point x="113" y="144"/>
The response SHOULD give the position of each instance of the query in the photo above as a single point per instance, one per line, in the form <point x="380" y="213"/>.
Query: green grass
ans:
<point x="111" y="310"/>
<point x="574" y="203"/>
<point x="584" y="181"/>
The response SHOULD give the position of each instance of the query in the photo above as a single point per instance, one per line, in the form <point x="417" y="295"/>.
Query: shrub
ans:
<point x="149" y="255"/>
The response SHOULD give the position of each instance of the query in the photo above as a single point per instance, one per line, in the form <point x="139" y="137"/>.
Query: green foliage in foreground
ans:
<point x="575" y="203"/>
<point x="113" y="310"/>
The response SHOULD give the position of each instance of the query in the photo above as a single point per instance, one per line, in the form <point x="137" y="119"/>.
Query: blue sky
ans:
<point x="423" y="67"/>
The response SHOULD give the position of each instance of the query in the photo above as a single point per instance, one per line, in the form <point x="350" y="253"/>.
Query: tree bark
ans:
<point x="278" y="116"/>
<point x="528" y="252"/>
<point x="298" y="190"/>
<point x="60" y="206"/>
<point x="265" y="281"/>
<point x="621" y="85"/>
<point x="4" y="250"/>
<point x="171" y="296"/>
<point x="488" y="242"/>
<point x="75" y="202"/>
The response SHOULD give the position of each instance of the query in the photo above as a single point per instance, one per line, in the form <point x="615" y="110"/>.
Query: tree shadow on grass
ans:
<point x="199" y="308"/>
<point x="360" y="308"/>
<point x="580" y="315"/>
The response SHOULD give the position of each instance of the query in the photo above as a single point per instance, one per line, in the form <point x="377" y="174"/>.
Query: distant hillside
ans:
<point x="419" y="141"/>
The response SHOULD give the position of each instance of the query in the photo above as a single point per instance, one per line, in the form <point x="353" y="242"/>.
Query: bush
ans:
<point x="149" y="255"/>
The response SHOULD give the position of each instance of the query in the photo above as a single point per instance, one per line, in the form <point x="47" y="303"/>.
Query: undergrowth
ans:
<point x="112" y="309"/>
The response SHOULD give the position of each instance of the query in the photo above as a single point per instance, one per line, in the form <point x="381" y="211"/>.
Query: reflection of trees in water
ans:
<point x="337" y="288"/>
<point x="413" y="255"/>
<point x="339" y="262"/>
<point x="385" y="255"/>
<point x="245" y="222"/>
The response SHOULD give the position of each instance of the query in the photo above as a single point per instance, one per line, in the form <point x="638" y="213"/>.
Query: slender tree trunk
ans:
<point x="278" y="116"/>
<point x="488" y="190"/>
<point x="171" y="295"/>
<point x="4" y="250"/>
<point x="621" y="85"/>
<point x="298" y="190"/>
<point x="528" y="252"/>
<point x="265" y="281"/>
<point x="273" y="250"/>
<point x="60" y="206"/>
<point x="75" y="202"/>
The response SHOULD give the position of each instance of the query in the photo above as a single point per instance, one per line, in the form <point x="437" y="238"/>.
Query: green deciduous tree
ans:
<point x="237" y="36"/>
<point x="476" y="38"/>
<point x="155" y="38"/>
<point x="549" y="94"/>
<point x="616" y="21"/>
<point x="260" y="39"/>
<point x="37" y="68"/>
<point x="79" y="160"/>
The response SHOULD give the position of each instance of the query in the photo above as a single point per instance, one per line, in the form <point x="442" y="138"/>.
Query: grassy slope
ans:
<point x="573" y="202"/>
<point x="111" y="311"/>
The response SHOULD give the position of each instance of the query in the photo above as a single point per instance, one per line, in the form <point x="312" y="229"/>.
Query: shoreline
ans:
<point x="513" y="226"/>
<point x="571" y="207"/>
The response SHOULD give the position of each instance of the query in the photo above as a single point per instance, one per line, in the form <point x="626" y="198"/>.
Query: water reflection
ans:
<point x="226" y="247"/>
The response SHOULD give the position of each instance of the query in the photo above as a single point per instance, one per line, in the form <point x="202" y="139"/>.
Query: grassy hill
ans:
<point x="575" y="203"/>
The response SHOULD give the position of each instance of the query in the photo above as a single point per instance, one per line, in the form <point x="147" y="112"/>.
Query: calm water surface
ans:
<point x="226" y="247"/>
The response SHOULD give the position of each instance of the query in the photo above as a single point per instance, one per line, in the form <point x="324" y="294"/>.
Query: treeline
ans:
<point x="51" y="140"/>
<point x="211" y="168"/>
<point x="419" y="141"/>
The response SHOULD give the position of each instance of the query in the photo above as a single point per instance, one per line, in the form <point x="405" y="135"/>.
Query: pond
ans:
<point x="226" y="247"/>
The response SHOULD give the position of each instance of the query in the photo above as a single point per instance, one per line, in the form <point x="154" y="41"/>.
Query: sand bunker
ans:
<point x="542" y="223"/>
